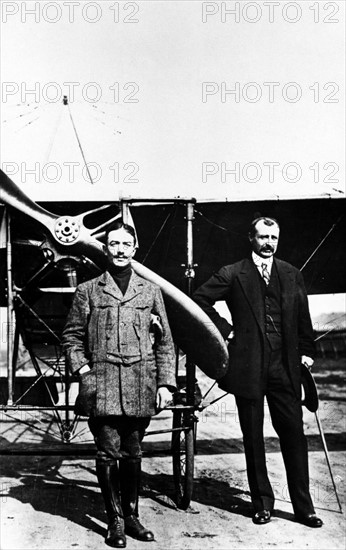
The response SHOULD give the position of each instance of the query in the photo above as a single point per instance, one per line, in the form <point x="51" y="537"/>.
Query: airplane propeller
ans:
<point x="67" y="231"/>
<point x="192" y="329"/>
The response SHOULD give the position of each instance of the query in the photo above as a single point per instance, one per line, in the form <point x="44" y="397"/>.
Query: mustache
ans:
<point x="268" y="247"/>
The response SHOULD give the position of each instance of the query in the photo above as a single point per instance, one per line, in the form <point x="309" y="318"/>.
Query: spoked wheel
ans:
<point x="183" y="456"/>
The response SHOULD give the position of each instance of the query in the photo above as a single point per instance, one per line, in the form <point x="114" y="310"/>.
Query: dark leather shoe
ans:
<point x="115" y="534"/>
<point x="311" y="520"/>
<point x="262" y="517"/>
<point x="135" y="529"/>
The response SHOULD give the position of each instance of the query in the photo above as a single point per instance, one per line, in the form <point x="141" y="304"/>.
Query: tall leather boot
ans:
<point x="108" y="478"/>
<point x="130" y="475"/>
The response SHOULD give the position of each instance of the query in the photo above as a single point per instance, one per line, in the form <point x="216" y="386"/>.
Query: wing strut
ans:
<point x="321" y="243"/>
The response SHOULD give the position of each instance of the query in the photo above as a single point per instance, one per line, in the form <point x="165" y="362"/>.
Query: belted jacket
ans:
<point x="110" y="332"/>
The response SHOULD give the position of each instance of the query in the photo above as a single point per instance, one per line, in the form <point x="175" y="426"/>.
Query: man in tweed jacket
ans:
<point x="118" y="339"/>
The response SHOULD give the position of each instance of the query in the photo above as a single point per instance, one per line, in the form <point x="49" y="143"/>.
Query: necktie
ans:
<point x="265" y="274"/>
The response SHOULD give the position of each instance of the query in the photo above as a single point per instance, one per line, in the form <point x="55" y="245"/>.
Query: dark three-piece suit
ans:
<point x="272" y="330"/>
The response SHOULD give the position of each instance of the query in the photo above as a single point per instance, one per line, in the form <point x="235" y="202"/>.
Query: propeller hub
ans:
<point x="66" y="229"/>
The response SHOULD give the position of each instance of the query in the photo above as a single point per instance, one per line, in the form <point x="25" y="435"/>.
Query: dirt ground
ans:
<point x="50" y="499"/>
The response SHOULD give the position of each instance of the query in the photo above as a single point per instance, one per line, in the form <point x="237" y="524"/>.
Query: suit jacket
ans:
<point x="111" y="332"/>
<point x="239" y="285"/>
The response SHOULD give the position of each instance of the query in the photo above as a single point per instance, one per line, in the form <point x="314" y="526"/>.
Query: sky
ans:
<point x="173" y="98"/>
<point x="214" y="100"/>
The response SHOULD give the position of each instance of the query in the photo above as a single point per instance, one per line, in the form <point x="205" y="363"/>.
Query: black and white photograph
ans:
<point x="172" y="275"/>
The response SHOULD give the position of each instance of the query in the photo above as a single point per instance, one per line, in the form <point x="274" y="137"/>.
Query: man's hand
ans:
<point x="306" y="361"/>
<point x="84" y="369"/>
<point x="163" y="398"/>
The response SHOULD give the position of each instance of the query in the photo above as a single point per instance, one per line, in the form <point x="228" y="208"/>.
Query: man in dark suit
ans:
<point x="270" y="337"/>
<point x="117" y="338"/>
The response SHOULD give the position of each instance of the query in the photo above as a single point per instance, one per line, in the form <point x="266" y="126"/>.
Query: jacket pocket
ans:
<point x="86" y="399"/>
<point x="102" y="323"/>
<point x="129" y="334"/>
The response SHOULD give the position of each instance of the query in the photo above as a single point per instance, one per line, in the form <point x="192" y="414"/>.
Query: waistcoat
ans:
<point x="272" y="306"/>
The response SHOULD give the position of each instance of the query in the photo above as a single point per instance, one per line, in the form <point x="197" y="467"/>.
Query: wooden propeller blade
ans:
<point x="12" y="196"/>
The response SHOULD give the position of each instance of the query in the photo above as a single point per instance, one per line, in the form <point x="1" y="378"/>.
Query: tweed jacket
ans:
<point x="110" y="332"/>
<point x="239" y="285"/>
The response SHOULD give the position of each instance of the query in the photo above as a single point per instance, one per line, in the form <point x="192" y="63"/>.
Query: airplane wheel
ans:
<point x="183" y="457"/>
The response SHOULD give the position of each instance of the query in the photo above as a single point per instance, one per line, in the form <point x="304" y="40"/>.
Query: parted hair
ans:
<point x="119" y="224"/>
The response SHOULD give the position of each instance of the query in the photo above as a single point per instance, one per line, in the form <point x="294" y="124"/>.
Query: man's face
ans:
<point x="120" y="247"/>
<point x="266" y="239"/>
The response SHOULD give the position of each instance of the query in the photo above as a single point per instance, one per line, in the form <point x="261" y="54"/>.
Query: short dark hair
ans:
<point x="119" y="224"/>
<point x="266" y="221"/>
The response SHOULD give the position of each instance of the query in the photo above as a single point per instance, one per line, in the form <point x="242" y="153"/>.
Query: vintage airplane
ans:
<point x="47" y="248"/>
<point x="47" y="252"/>
<point x="55" y="246"/>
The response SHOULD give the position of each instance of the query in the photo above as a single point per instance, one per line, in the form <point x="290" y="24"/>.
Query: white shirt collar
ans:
<point x="258" y="261"/>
